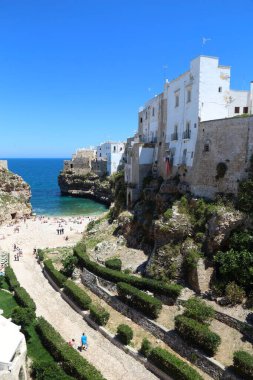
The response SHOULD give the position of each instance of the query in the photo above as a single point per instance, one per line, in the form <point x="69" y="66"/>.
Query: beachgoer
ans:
<point x="72" y="343"/>
<point x="84" y="344"/>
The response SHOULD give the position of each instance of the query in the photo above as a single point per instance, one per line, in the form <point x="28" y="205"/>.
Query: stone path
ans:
<point x="110" y="360"/>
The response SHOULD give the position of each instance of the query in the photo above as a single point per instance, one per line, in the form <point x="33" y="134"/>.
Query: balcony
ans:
<point x="174" y="136"/>
<point x="186" y="134"/>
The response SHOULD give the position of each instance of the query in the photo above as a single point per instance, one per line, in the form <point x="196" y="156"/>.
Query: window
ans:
<point x="220" y="89"/>
<point x="141" y="119"/>
<point x="187" y="132"/>
<point x="206" y="147"/>
<point x="237" y="109"/>
<point x="146" y="115"/>
<point x="189" y="95"/>
<point x="245" y="110"/>
<point x="177" y="100"/>
<point x="153" y="111"/>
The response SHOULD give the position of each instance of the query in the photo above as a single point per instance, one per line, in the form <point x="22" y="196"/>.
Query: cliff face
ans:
<point x="86" y="186"/>
<point x="15" y="196"/>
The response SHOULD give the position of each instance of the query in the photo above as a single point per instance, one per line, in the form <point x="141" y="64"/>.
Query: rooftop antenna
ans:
<point x="165" y="72"/>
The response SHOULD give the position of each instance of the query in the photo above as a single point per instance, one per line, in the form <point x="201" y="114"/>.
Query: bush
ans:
<point x="197" y="334"/>
<point x="23" y="298"/>
<point x="199" y="310"/>
<point x="72" y="362"/>
<point x="146" y="347"/>
<point x="191" y="259"/>
<point x="11" y="278"/>
<point x="99" y="315"/>
<point x="41" y="255"/>
<point x="143" y="302"/>
<point x="172" y="365"/>
<point x="241" y="241"/>
<point x="168" y="214"/>
<point x="56" y="276"/>
<point x="125" y="334"/>
<point x="245" y="196"/>
<point x="48" y="371"/>
<point x="113" y="264"/>
<point x="234" y="294"/>
<point x="77" y="295"/>
<point x="69" y="264"/>
<point x="243" y="364"/>
<point x="159" y="287"/>
<point x="24" y="317"/>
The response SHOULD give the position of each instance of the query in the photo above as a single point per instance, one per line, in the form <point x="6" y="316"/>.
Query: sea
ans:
<point x="41" y="174"/>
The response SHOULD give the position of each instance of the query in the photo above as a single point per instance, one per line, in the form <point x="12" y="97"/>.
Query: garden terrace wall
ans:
<point x="170" y="337"/>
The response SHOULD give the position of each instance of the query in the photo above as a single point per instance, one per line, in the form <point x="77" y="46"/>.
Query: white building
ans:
<point x="113" y="153"/>
<point x="200" y="94"/>
<point x="12" y="351"/>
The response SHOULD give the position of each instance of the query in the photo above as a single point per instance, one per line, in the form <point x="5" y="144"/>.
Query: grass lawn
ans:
<point x="7" y="303"/>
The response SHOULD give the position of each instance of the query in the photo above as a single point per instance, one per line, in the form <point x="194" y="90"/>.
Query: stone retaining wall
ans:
<point x="170" y="337"/>
<point x="245" y="328"/>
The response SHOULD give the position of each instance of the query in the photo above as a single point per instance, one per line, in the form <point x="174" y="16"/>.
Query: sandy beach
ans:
<point x="41" y="232"/>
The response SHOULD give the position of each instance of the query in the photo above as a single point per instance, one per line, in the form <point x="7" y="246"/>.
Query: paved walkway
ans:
<point x="110" y="360"/>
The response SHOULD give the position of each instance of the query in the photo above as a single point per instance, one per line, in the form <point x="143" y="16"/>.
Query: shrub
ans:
<point x="23" y="316"/>
<point x="168" y="214"/>
<point x="146" y="347"/>
<point x="48" y="371"/>
<point x="198" y="334"/>
<point x="245" y="196"/>
<point x="243" y="364"/>
<point x="23" y="298"/>
<point x="147" y="304"/>
<point x="57" y="277"/>
<point x="99" y="315"/>
<point x="11" y="278"/>
<point x="69" y="264"/>
<point x="172" y="365"/>
<point x="41" y="255"/>
<point x="72" y="362"/>
<point x="198" y="310"/>
<point x="113" y="263"/>
<point x="191" y="259"/>
<point x="241" y="241"/>
<point x="77" y="295"/>
<point x="125" y="334"/>
<point x="234" y="294"/>
<point x="159" y="287"/>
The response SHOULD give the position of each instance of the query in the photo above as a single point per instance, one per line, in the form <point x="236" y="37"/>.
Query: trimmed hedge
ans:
<point x="72" y="362"/>
<point x="77" y="295"/>
<point x="198" y="310"/>
<point x="57" y="277"/>
<point x="159" y="287"/>
<point x="23" y="298"/>
<point x="173" y="366"/>
<point x="125" y="334"/>
<point x="198" y="334"/>
<point x="11" y="278"/>
<point x="99" y="315"/>
<point x="243" y="364"/>
<point x="146" y="347"/>
<point x="42" y="370"/>
<point x="143" y="302"/>
<point x="113" y="264"/>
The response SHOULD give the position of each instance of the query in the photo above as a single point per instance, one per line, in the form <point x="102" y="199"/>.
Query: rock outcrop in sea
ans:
<point x="15" y="196"/>
<point x="87" y="186"/>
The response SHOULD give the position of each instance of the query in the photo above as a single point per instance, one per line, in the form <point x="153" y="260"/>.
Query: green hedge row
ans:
<point x="113" y="264"/>
<point x="11" y="278"/>
<point x="243" y="364"/>
<point x="99" y="315"/>
<point x="197" y="309"/>
<point x="42" y="370"/>
<point x="72" y="362"/>
<point x="198" y="334"/>
<point x="56" y="276"/>
<point x="77" y="295"/>
<point x="159" y="287"/>
<point x="125" y="334"/>
<point x="140" y="300"/>
<point x="173" y="366"/>
<point x="23" y="298"/>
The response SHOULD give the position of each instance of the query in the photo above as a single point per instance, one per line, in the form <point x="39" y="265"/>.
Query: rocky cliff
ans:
<point x="86" y="186"/>
<point x="15" y="197"/>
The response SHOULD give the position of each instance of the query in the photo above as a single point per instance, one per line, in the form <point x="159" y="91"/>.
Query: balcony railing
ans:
<point x="187" y="134"/>
<point x="174" y="136"/>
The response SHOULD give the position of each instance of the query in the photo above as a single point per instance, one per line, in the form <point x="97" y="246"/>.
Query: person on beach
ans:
<point x="72" y="343"/>
<point x="84" y="345"/>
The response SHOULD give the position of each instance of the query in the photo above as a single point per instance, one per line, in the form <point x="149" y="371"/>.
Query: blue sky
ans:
<point x="73" y="73"/>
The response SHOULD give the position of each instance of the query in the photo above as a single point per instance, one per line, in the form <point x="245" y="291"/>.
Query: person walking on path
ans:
<point x="84" y="345"/>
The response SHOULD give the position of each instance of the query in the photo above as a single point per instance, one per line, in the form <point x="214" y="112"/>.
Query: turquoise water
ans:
<point x="41" y="174"/>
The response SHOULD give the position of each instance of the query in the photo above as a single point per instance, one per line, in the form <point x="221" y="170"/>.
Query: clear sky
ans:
<point x="73" y="73"/>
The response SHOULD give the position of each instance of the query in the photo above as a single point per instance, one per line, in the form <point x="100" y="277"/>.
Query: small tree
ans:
<point x="69" y="263"/>
<point x="125" y="334"/>
<point x="234" y="293"/>
<point x="24" y="317"/>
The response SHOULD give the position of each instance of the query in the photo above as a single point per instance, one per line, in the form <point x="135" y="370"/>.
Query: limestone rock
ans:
<point x="15" y="196"/>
